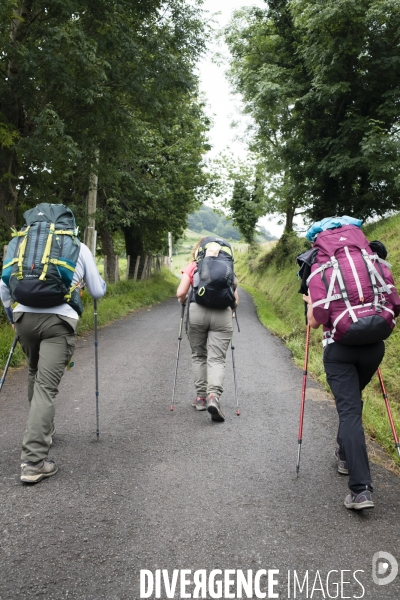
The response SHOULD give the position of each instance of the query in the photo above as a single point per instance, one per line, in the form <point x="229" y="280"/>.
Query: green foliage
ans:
<point x="208" y="219"/>
<point x="270" y="275"/>
<point x="246" y="210"/>
<point x="112" y="79"/>
<point x="322" y="82"/>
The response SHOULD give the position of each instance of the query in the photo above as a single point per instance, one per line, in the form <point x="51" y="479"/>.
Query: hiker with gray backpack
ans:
<point x="43" y="272"/>
<point x="208" y="286"/>
<point x="350" y="291"/>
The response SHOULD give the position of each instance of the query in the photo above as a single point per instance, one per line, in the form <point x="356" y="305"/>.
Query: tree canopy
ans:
<point x="322" y="83"/>
<point x="105" y="87"/>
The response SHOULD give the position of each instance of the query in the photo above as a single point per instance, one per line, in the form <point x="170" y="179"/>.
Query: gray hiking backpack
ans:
<point x="41" y="259"/>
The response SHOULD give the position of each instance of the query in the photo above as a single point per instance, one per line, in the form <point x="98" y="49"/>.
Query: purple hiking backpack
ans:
<point x="352" y="289"/>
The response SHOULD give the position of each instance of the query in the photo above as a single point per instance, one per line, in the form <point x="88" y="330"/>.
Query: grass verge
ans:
<point x="120" y="299"/>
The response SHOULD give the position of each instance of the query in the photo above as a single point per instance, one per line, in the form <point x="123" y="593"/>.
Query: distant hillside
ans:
<point x="218" y="224"/>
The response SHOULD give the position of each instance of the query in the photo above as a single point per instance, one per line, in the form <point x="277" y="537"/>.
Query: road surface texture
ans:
<point x="173" y="490"/>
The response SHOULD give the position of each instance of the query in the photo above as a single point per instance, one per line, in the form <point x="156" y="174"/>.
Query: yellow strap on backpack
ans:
<point x="61" y="263"/>
<point x="68" y="296"/>
<point x="21" y="253"/>
<point x="46" y="253"/>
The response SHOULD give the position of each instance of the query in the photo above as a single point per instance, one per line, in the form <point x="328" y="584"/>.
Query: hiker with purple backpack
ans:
<point x="350" y="291"/>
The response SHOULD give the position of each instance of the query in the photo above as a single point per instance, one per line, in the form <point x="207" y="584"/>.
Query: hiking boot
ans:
<point x="359" y="501"/>
<point x="199" y="403"/>
<point x="342" y="464"/>
<point x="214" y="408"/>
<point x="34" y="472"/>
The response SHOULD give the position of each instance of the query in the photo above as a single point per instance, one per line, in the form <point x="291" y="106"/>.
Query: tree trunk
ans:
<point x="290" y="212"/>
<point x="108" y="249"/>
<point x="8" y="194"/>
<point x="134" y="248"/>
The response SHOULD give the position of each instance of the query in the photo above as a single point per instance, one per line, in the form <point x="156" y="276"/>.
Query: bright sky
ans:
<point x="223" y="105"/>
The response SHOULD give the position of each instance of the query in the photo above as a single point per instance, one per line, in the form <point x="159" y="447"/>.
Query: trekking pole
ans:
<point x="96" y="367"/>
<point x="237" y="322"/>
<point x="385" y="397"/>
<point x="303" y="397"/>
<point x="177" y="354"/>
<point x="234" y="378"/>
<point x="8" y="361"/>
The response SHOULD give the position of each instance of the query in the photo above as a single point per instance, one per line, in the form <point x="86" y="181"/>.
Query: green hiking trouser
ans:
<point x="210" y="331"/>
<point x="48" y="341"/>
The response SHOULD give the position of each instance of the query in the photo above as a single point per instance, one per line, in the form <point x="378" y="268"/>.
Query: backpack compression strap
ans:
<point x="375" y="276"/>
<point x="68" y="296"/>
<point x="21" y="253"/>
<point x="336" y="275"/>
<point x="16" y="257"/>
<point x="46" y="253"/>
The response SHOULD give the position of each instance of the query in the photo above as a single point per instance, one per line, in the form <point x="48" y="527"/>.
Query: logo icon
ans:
<point x="384" y="568"/>
<point x="342" y="239"/>
<point x="39" y="213"/>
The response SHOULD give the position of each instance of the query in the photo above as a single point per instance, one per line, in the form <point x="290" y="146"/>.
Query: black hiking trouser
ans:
<point x="348" y="370"/>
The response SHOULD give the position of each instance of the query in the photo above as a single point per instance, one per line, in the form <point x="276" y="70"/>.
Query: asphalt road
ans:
<point x="163" y="490"/>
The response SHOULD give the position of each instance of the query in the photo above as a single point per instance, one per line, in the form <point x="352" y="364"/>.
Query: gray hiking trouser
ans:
<point x="48" y="341"/>
<point x="210" y="331"/>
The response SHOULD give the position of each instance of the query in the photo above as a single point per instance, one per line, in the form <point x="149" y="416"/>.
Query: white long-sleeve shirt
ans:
<point x="85" y="269"/>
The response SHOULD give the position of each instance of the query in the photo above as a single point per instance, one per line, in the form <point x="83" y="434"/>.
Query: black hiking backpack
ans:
<point x="214" y="276"/>
<point x="41" y="259"/>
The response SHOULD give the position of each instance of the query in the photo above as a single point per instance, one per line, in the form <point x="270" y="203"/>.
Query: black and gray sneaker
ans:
<point x="342" y="464"/>
<point x="214" y="408"/>
<point x="359" y="501"/>
<point x="34" y="472"/>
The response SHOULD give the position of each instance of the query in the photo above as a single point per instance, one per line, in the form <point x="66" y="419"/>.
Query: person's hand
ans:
<point x="307" y="299"/>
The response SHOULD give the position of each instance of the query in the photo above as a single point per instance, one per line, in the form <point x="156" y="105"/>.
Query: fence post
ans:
<point x="128" y="264"/>
<point x="144" y="272"/>
<point x="105" y="268"/>
<point x="116" y="277"/>
<point x="4" y="252"/>
<point x="136" y="268"/>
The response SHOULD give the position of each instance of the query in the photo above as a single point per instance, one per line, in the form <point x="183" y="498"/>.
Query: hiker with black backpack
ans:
<point x="351" y="294"/>
<point x="209" y="285"/>
<point x="45" y="267"/>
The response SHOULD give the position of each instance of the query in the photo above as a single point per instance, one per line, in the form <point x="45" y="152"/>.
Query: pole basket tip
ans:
<point x="171" y="407"/>
<point x="238" y="412"/>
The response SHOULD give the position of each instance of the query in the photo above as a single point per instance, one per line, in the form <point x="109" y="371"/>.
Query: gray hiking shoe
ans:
<point x="359" y="501"/>
<point x="214" y="408"/>
<point x="342" y="464"/>
<point x="35" y="472"/>
<point x="199" y="403"/>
